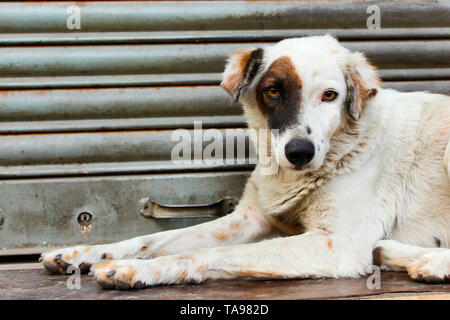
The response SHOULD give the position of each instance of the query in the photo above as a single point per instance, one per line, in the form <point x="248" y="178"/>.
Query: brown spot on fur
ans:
<point x="103" y="264"/>
<point x="288" y="228"/>
<point x="159" y="253"/>
<point x="235" y="226"/>
<point x="326" y="233"/>
<point x="330" y="244"/>
<point x="182" y="276"/>
<point x="258" y="274"/>
<point x="129" y="276"/>
<point x="144" y="249"/>
<point x="283" y="76"/>
<point x="74" y="254"/>
<point x="233" y="79"/>
<point x="334" y="51"/>
<point x="87" y="250"/>
<point x="200" y="267"/>
<point x="157" y="273"/>
<point x="221" y="236"/>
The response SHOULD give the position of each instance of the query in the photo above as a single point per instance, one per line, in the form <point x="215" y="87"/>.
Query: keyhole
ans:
<point x="84" y="218"/>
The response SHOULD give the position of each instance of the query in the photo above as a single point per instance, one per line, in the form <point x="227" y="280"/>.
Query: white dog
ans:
<point x="359" y="168"/>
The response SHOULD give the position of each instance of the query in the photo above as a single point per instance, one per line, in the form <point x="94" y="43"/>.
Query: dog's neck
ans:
<point x="292" y="191"/>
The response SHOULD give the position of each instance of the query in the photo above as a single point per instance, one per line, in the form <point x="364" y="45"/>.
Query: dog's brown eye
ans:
<point x="329" y="95"/>
<point x="273" y="92"/>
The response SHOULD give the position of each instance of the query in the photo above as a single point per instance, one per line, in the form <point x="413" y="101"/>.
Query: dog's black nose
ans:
<point x="299" y="151"/>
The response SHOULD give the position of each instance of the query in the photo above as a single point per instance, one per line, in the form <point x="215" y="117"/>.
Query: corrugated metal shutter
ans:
<point x="86" y="115"/>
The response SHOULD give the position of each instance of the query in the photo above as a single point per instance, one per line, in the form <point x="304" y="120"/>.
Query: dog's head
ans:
<point x="305" y="88"/>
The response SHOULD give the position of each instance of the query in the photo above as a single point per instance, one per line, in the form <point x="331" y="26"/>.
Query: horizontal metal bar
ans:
<point x="71" y="38"/>
<point x="414" y="74"/>
<point x="218" y="121"/>
<point x="23" y="111"/>
<point x="88" y="104"/>
<point x="180" y="79"/>
<point x="109" y="81"/>
<point x="219" y="15"/>
<point x="160" y="59"/>
<point x="430" y="86"/>
<point x="119" y="152"/>
<point x="44" y="212"/>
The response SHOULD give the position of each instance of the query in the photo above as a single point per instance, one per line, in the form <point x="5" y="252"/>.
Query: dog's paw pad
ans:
<point x="111" y="274"/>
<point x="430" y="269"/>
<point x="53" y="268"/>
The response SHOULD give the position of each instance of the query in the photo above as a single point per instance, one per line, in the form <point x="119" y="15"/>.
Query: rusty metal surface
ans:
<point x="117" y="152"/>
<point x="206" y="36"/>
<point x="93" y="109"/>
<point x="46" y="212"/>
<point x="125" y="59"/>
<point x="127" y="108"/>
<point x="37" y="284"/>
<point x="218" y="15"/>
<point x="73" y="110"/>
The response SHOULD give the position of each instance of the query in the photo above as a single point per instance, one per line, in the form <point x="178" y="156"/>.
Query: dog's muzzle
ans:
<point x="299" y="152"/>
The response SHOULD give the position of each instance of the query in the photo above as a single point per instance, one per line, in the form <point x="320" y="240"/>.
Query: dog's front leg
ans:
<point x="246" y="224"/>
<point x="313" y="254"/>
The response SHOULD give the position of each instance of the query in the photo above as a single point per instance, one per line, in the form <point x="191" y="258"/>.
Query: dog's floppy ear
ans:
<point x="240" y="70"/>
<point x="362" y="82"/>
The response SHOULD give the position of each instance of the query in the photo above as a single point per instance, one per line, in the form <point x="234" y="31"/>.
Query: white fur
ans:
<point x="388" y="181"/>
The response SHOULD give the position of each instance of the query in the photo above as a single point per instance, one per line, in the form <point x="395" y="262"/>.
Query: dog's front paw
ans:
<point x="124" y="274"/>
<point x="138" y="274"/>
<point x="82" y="257"/>
<point x="431" y="268"/>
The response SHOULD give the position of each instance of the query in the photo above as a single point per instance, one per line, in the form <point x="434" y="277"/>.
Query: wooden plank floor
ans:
<point x="35" y="283"/>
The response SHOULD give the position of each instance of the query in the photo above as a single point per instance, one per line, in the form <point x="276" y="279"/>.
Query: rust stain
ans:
<point x="25" y="245"/>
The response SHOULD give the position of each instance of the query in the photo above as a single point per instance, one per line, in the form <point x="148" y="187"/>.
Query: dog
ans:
<point x="362" y="178"/>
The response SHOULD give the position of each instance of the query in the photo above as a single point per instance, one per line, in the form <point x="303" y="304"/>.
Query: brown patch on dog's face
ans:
<point x="278" y="94"/>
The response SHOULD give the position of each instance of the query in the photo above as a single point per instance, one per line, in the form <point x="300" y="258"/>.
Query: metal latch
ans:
<point x="151" y="209"/>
